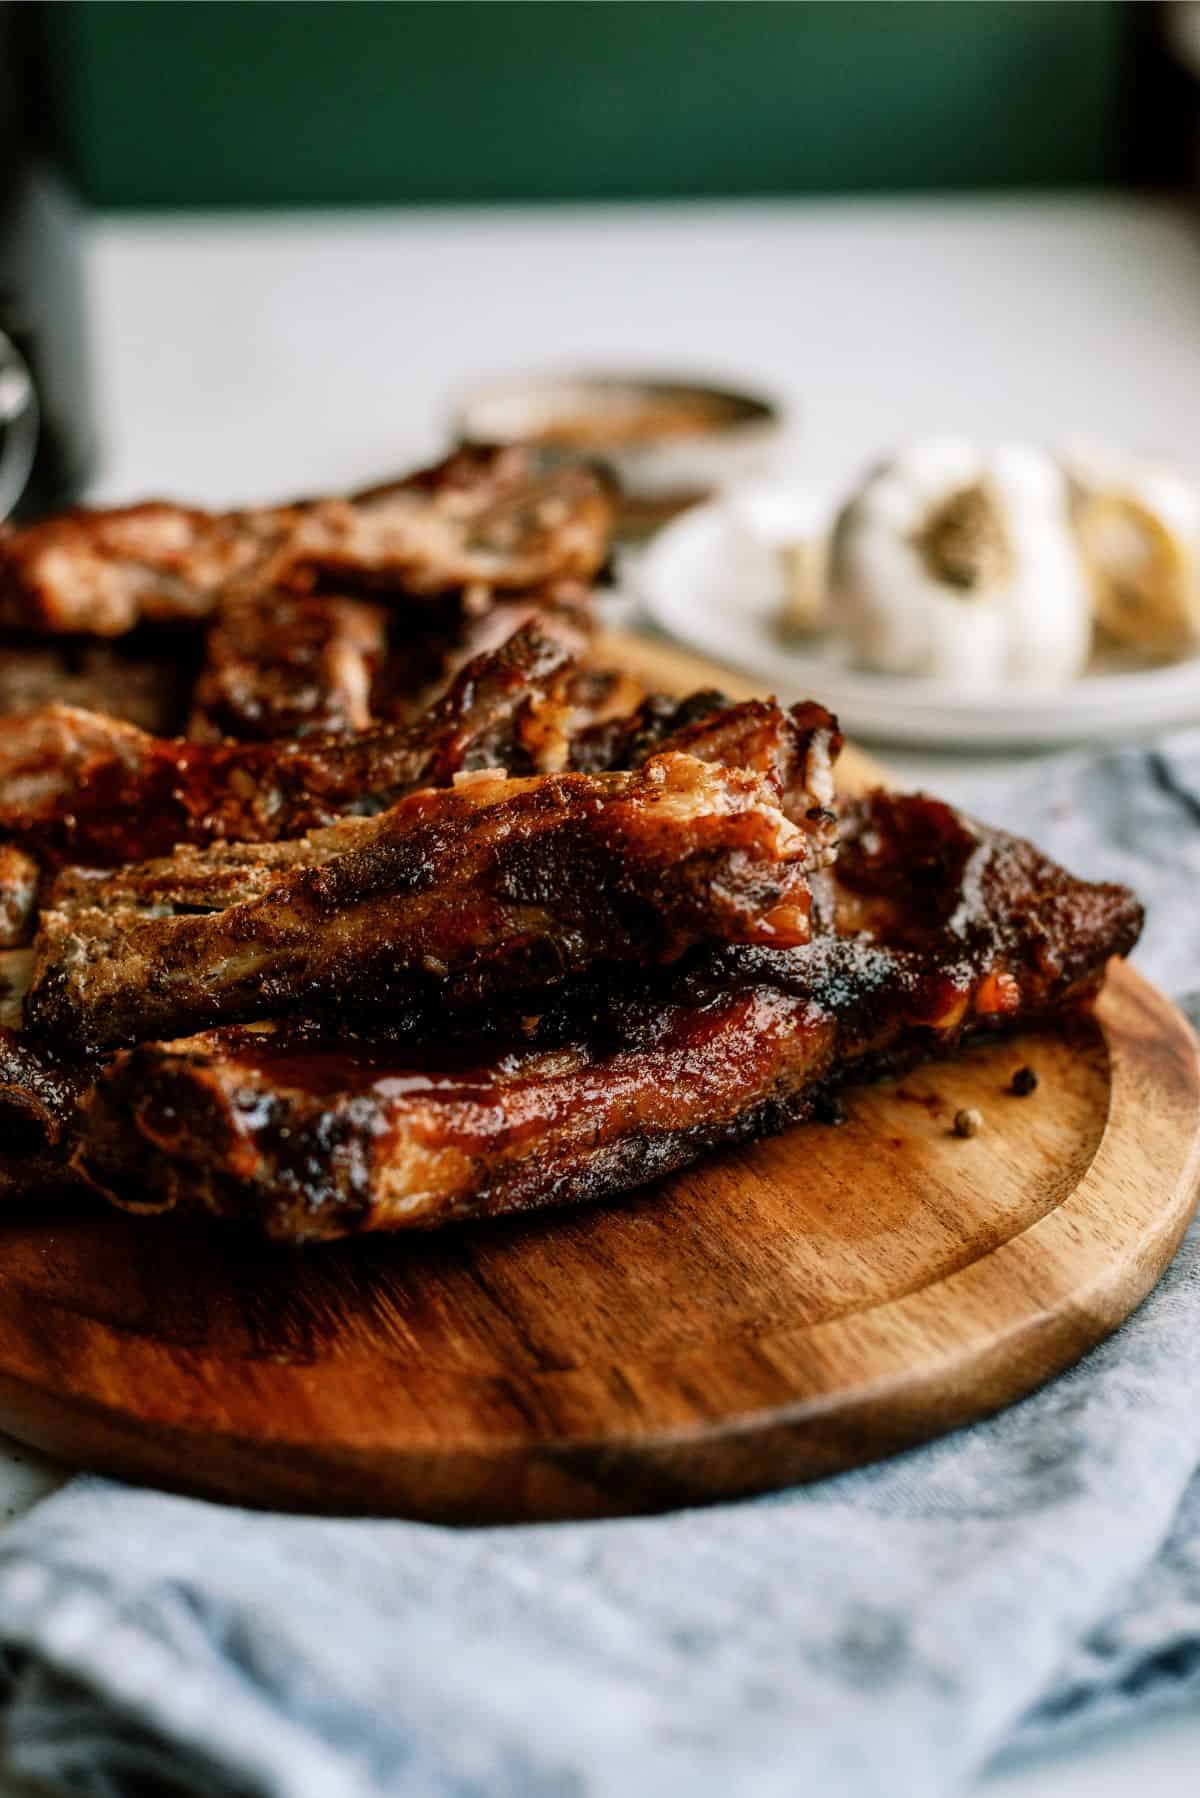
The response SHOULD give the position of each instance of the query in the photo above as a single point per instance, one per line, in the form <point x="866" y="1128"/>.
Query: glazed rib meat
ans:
<point x="421" y="665"/>
<point x="493" y="886"/>
<point x="42" y="1095"/>
<point x="479" y="524"/>
<point x="286" y="665"/>
<point x="793" y="752"/>
<point x="105" y="572"/>
<point x="77" y="786"/>
<point x="944" y="931"/>
<point x="193" y="880"/>
<point x="624" y="738"/>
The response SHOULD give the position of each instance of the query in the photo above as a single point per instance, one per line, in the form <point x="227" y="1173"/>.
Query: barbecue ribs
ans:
<point x="105" y="572"/>
<point x="286" y="665"/>
<point x="42" y="1096"/>
<point x="793" y="751"/>
<point x="944" y="931"/>
<point x="427" y="918"/>
<point x="78" y="786"/>
<point x="495" y="885"/>
<point x="482" y="522"/>
<point x="478" y="525"/>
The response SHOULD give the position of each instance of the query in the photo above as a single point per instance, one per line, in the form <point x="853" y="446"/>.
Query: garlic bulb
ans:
<point x="1139" y="533"/>
<point x="956" y="563"/>
<point x="790" y="524"/>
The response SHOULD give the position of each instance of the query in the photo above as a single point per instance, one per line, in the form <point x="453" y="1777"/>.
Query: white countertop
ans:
<point x="243" y="358"/>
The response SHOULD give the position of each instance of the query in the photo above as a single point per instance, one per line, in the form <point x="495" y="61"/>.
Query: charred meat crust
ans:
<point x="491" y="886"/>
<point x="626" y="739"/>
<point x="614" y="1083"/>
<point x="80" y="787"/>
<point x="791" y="751"/>
<point x="929" y="879"/>
<point x="284" y="665"/>
<point x="479" y="524"/>
<point x="42" y="1095"/>
<point x="795" y="749"/>
<point x="421" y="664"/>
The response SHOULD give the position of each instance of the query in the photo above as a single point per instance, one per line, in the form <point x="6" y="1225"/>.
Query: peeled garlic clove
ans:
<point x="957" y="564"/>
<point x="1139" y="534"/>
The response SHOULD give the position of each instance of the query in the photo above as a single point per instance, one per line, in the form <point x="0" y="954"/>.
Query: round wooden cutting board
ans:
<point x="775" y="1313"/>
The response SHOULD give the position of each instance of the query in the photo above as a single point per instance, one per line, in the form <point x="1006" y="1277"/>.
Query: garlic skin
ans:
<point x="956" y="563"/>
<point x="792" y="525"/>
<point x="1138" y="526"/>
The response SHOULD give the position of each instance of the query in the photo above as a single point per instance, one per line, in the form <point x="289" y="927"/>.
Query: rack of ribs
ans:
<point x="481" y="525"/>
<point x="794" y="752"/>
<point x="942" y="932"/>
<point x="426" y="917"/>
<point x="757" y="769"/>
<point x="80" y="786"/>
<point x="496" y="884"/>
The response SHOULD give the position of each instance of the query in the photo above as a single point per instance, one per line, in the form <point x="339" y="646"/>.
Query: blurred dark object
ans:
<point x="1179" y="36"/>
<point x="669" y="442"/>
<point x="46" y="423"/>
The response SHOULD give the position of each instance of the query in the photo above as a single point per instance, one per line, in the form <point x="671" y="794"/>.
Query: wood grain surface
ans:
<point x="775" y="1313"/>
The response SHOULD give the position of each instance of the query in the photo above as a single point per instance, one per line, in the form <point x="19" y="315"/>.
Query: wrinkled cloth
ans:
<point x="889" y="1630"/>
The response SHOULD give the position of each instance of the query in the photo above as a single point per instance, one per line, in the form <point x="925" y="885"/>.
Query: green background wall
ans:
<point x="268" y="102"/>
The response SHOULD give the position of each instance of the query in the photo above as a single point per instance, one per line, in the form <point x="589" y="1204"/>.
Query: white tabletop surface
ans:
<point x="247" y="358"/>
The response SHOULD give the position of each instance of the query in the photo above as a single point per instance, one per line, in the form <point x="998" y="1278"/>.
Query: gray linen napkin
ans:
<point x="886" y="1631"/>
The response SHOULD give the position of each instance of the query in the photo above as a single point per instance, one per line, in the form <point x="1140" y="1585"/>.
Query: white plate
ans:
<point x="697" y="587"/>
